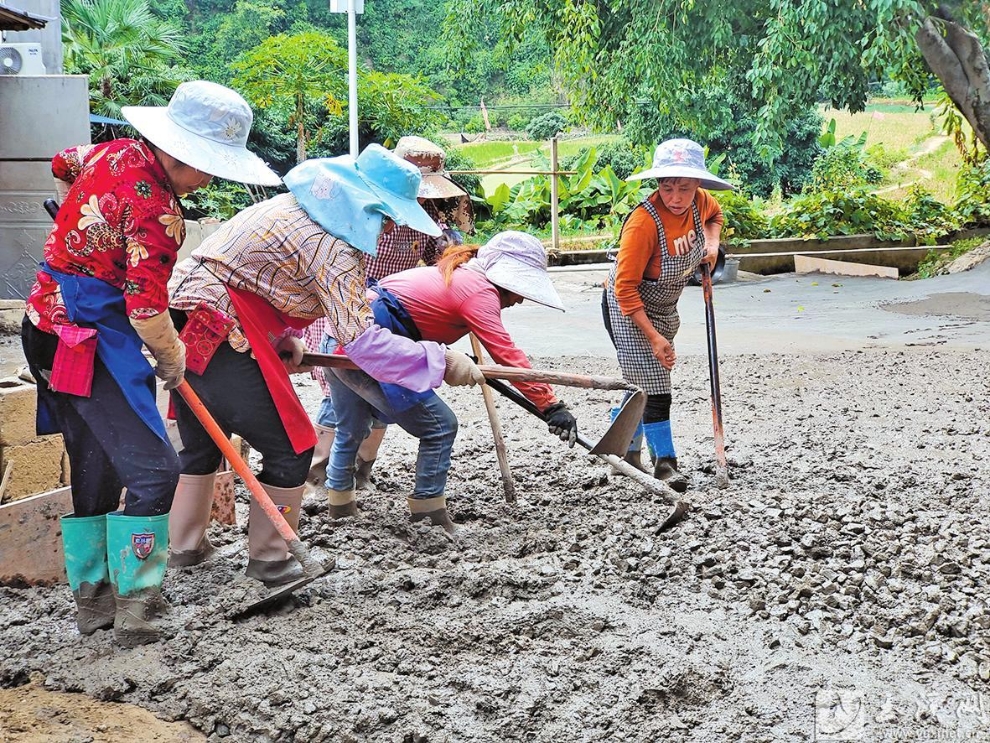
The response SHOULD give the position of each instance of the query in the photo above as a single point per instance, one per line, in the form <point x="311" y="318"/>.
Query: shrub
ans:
<point x="972" y="189"/>
<point x="744" y="220"/>
<point x="546" y="126"/>
<point x="518" y="122"/>
<point x="841" y="212"/>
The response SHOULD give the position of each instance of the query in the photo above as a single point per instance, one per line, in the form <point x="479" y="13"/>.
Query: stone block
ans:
<point x="18" y="408"/>
<point x="31" y="539"/>
<point x="35" y="467"/>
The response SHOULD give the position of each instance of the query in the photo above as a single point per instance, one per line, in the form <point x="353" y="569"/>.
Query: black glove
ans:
<point x="561" y="422"/>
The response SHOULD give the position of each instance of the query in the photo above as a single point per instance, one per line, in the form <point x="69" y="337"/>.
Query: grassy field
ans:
<point x="902" y="137"/>
<point x="911" y="139"/>
<point x="517" y="155"/>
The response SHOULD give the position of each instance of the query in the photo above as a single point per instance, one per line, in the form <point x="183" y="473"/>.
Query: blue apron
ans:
<point x="94" y="303"/>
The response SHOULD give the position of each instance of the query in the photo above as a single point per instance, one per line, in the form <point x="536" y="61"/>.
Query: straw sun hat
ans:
<point x="205" y="126"/>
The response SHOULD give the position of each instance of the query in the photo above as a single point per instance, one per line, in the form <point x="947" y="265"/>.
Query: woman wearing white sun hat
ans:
<point x="662" y="242"/>
<point x="465" y="292"/>
<point x="267" y="273"/>
<point x="100" y="295"/>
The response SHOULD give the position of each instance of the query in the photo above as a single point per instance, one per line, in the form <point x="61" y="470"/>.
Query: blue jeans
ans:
<point x="356" y="399"/>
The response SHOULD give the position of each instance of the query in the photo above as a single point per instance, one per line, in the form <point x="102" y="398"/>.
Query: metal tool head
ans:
<point x="617" y="438"/>
<point x="281" y="593"/>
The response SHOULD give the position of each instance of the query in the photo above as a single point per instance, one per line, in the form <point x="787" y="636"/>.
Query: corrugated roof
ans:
<point x="19" y="20"/>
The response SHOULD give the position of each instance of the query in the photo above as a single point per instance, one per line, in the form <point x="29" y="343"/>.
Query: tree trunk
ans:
<point x="300" y="131"/>
<point x="956" y="57"/>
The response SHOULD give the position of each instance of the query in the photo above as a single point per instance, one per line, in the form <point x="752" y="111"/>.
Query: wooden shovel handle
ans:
<point x="494" y="371"/>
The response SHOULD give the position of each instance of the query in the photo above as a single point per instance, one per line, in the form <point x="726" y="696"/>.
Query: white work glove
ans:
<point x="158" y="334"/>
<point x="290" y="350"/>
<point x="460" y="370"/>
<point x="61" y="190"/>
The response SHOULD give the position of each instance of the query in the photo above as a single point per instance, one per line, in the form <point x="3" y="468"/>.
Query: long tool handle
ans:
<point x="494" y="371"/>
<point x="500" y="451"/>
<point x="657" y="486"/>
<point x="721" y="467"/>
<point x="310" y="564"/>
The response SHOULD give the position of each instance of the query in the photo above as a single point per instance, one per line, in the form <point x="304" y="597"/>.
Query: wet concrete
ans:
<point x="836" y="589"/>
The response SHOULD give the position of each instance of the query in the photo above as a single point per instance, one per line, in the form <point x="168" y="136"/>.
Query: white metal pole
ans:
<point x="352" y="103"/>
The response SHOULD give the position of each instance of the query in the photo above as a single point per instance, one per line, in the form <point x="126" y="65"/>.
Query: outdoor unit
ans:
<point x="21" y="59"/>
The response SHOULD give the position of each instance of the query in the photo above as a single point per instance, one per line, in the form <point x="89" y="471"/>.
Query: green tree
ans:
<point x="617" y="56"/>
<point x="125" y="49"/>
<point x="298" y="69"/>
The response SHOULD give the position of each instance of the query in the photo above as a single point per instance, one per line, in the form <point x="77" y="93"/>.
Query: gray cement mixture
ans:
<point x="836" y="590"/>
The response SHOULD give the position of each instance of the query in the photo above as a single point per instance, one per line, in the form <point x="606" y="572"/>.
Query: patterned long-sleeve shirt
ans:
<point x="120" y="223"/>
<point x="403" y="247"/>
<point x="273" y="249"/>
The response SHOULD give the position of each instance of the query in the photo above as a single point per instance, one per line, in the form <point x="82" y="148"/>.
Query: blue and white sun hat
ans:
<point x="349" y="198"/>
<point x="205" y="126"/>
<point x="682" y="158"/>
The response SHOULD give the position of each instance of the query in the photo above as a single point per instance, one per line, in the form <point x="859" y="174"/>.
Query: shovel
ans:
<point x="312" y="567"/>
<point x="616" y="439"/>
<point x="657" y="486"/>
<point x="721" y="467"/>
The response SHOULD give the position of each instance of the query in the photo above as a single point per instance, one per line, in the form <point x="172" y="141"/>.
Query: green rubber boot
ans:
<point x="84" y="542"/>
<point x="137" y="551"/>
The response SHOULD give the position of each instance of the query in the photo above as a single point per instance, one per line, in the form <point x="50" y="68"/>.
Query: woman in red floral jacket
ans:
<point x="101" y="293"/>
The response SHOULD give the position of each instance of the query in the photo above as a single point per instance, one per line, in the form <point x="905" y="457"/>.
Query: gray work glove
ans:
<point x="562" y="423"/>
<point x="460" y="370"/>
<point x="158" y="334"/>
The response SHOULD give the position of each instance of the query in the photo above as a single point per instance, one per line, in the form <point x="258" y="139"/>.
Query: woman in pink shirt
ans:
<point x="464" y="293"/>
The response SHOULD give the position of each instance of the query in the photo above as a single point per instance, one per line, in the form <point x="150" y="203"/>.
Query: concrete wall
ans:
<point x="50" y="37"/>
<point x="38" y="117"/>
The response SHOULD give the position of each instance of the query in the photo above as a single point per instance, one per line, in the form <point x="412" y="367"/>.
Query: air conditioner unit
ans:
<point x="21" y="59"/>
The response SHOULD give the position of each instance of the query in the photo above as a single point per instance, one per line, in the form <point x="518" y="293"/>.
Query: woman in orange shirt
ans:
<point x="662" y="243"/>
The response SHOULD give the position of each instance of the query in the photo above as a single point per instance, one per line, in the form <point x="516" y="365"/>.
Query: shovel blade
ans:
<point x="280" y="594"/>
<point x="619" y="435"/>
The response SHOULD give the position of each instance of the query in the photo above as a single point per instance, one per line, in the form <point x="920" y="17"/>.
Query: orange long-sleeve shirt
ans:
<point x="639" y="259"/>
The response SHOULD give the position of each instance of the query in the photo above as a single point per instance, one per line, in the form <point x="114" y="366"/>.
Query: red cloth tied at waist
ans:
<point x="264" y="326"/>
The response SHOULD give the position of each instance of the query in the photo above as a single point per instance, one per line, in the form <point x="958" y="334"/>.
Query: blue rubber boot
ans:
<point x="660" y="441"/>
<point x="137" y="551"/>
<point x="84" y="542"/>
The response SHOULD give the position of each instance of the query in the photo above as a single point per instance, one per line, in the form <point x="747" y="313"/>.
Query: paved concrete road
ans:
<point x="787" y="313"/>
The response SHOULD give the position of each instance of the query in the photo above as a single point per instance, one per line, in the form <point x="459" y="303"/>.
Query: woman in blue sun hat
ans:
<point x="663" y="241"/>
<point x="246" y="292"/>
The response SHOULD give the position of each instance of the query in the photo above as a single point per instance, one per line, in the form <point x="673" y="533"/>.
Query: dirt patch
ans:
<point x="836" y="588"/>
<point x="32" y="714"/>
<point x="964" y="305"/>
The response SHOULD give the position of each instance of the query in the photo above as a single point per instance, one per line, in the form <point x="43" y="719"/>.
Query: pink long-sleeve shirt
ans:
<point x="470" y="303"/>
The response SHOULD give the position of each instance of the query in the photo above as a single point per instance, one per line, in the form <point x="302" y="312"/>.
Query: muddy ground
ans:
<point x="837" y="590"/>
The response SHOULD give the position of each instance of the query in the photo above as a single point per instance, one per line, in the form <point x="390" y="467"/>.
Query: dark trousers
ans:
<point x="109" y="446"/>
<point x="234" y="391"/>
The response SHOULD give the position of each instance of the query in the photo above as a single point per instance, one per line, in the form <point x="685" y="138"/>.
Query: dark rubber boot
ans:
<point x="434" y="509"/>
<point x="362" y="474"/>
<point x="666" y="470"/>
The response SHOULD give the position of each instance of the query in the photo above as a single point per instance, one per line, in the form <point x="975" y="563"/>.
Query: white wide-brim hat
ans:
<point x="517" y="262"/>
<point x="682" y="158"/>
<point x="205" y="126"/>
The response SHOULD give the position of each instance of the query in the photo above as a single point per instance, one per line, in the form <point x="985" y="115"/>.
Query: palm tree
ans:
<point x="125" y="49"/>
